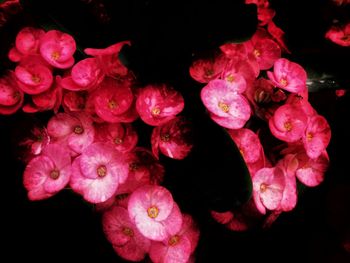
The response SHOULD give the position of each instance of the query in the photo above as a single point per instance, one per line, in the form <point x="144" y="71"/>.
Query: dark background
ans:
<point x="167" y="36"/>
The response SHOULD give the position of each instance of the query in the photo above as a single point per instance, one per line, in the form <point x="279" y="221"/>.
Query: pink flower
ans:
<point x="144" y="169"/>
<point x="264" y="50"/>
<point x="288" y="75"/>
<point x="108" y="59"/>
<point x="158" y="104"/>
<point x="48" y="173"/>
<point x="11" y="97"/>
<point x="227" y="108"/>
<point x="173" y="139"/>
<point x="235" y="81"/>
<point x="248" y="144"/>
<point x="154" y="212"/>
<point x="36" y="143"/>
<point x="33" y="78"/>
<point x="317" y="136"/>
<point x="268" y="187"/>
<point x="311" y="171"/>
<point x="48" y="100"/>
<point x="178" y="247"/>
<point x="74" y="130"/>
<point x="288" y="123"/>
<point x="85" y="75"/>
<point x="122" y="136"/>
<point x="127" y="241"/>
<point x="27" y="43"/>
<point x="289" y="165"/>
<point x="205" y="70"/>
<point x="112" y="100"/>
<point x="57" y="48"/>
<point x="242" y="67"/>
<point x="97" y="172"/>
<point x="339" y="35"/>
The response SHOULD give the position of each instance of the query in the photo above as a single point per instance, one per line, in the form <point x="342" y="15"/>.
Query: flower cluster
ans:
<point x="91" y="146"/>
<point x="250" y="81"/>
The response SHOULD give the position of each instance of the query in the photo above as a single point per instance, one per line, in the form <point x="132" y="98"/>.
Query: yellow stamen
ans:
<point x="102" y="171"/>
<point x="152" y="212"/>
<point x="224" y="107"/>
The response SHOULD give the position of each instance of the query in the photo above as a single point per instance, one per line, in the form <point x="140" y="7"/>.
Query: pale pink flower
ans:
<point x="97" y="172"/>
<point x="48" y="173"/>
<point x="57" y="48"/>
<point x="127" y="241"/>
<point x="11" y="97"/>
<point x="74" y="130"/>
<point x="154" y="212"/>
<point x="311" y="171"/>
<point x="288" y="123"/>
<point x="248" y="144"/>
<point x="178" y="247"/>
<point x="317" y="136"/>
<point x="229" y="109"/>
<point x="173" y="139"/>
<point x="288" y="75"/>
<point x="268" y="187"/>
<point x="122" y="136"/>
<point x="157" y="105"/>
<point x="289" y="165"/>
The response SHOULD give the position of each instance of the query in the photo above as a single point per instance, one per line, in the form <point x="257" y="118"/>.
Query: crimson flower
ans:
<point x="127" y="241"/>
<point x="158" y="104"/>
<point x="57" y="48"/>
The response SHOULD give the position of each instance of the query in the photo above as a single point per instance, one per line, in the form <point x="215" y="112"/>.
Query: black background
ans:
<point x="167" y="36"/>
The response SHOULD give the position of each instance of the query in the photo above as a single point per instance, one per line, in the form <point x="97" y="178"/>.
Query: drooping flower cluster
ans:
<point x="251" y="79"/>
<point x="91" y="146"/>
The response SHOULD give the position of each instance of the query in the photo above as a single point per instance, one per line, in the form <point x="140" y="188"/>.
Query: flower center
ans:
<point x="174" y="240"/>
<point x="165" y="137"/>
<point x="133" y="166"/>
<point x="118" y="141"/>
<point x="224" y="107"/>
<point x="16" y="95"/>
<point x="155" y="111"/>
<point x="55" y="55"/>
<point x="128" y="232"/>
<point x="230" y="78"/>
<point x="101" y="171"/>
<point x="256" y="53"/>
<point x="152" y="212"/>
<point x="209" y="73"/>
<point x="78" y="129"/>
<point x="346" y="37"/>
<point x="309" y="136"/>
<point x="36" y="79"/>
<point x="288" y="126"/>
<point x="263" y="187"/>
<point x="54" y="174"/>
<point x="112" y="104"/>
<point x="283" y="82"/>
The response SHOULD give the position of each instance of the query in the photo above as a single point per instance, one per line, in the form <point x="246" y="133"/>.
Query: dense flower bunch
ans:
<point x="90" y="144"/>
<point x="250" y="81"/>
